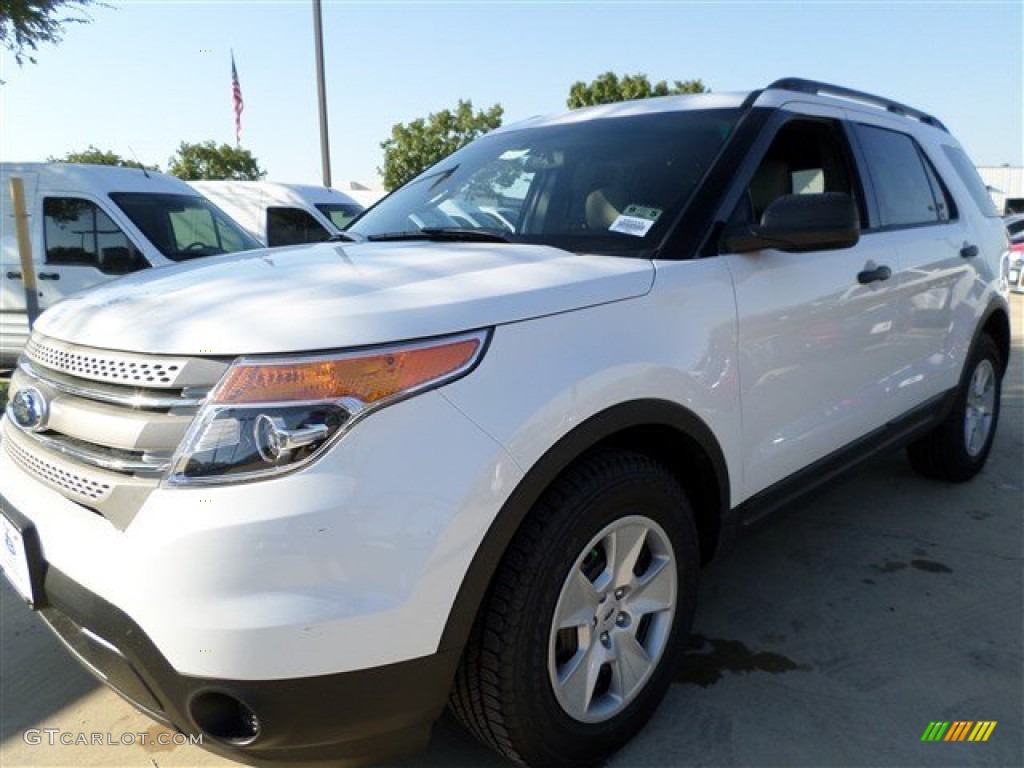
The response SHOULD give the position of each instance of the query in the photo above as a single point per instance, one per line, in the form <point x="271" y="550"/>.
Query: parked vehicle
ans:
<point x="89" y="224"/>
<point x="1014" y="224"/>
<point x="1015" y="276"/>
<point x="283" y="214"/>
<point x="295" y="501"/>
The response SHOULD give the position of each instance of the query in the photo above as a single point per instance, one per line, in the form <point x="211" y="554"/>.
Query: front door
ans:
<point x="814" y="328"/>
<point x="82" y="246"/>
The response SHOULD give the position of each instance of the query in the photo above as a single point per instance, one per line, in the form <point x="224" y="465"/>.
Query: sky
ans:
<point x="144" y="76"/>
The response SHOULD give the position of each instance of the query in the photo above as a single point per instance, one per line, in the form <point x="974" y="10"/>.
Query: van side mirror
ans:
<point x="119" y="260"/>
<point x="795" y="223"/>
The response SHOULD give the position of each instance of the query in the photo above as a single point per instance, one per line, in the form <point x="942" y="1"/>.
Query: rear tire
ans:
<point x="586" y="617"/>
<point x="957" y="449"/>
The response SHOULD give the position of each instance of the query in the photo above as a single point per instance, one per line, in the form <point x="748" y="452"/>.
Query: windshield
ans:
<point x="183" y="226"/>
<point x="612" y="185"/>
<point x="340" y="214"/>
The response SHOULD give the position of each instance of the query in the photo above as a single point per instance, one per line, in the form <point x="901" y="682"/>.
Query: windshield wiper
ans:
<point x="343" y="237"/>
<point x="443" y="234"/>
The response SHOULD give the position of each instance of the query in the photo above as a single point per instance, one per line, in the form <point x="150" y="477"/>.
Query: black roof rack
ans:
<point x="816" y="88"/>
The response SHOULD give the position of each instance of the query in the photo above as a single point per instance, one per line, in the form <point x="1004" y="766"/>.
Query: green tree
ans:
<point x="609" y="88"/>
<point x="416" y="146"/>
<point x="97" y="156"/>
<point x="209" y="161"/>
<point x="24" y="24"/>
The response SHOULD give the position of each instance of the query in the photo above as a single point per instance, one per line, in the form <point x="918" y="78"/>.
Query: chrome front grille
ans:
<point x="125" y="368"/>
<point x="74" y="484"/>
<point x="114" y="420"/>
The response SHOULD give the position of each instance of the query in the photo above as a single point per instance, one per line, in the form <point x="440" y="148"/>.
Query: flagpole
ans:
<point x="321" y="91"/>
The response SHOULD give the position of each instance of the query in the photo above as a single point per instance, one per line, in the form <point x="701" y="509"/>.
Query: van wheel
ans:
<point x="956" y="450"/>
<point x="583" y="625"/>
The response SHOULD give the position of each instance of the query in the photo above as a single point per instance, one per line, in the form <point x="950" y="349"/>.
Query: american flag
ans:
<point x="236" y="95"/>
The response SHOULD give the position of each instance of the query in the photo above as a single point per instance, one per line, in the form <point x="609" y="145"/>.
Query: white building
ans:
<point x="1006" y="185"/>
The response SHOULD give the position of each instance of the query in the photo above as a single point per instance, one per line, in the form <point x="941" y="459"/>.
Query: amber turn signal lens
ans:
<point x="368" y="378"/>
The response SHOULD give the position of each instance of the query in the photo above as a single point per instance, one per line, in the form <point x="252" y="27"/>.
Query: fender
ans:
<point x="995" y="321"/>
<point x="586" y="436"/>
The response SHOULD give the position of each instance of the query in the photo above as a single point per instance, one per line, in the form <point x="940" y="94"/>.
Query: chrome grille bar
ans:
<point x="115" y="395"/>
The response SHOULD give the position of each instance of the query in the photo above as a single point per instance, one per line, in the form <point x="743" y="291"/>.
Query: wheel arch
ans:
<point x="666" y="431"/>
<point x="996" y="323"/>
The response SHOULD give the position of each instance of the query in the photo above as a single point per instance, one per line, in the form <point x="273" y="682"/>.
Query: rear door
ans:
<point x="917" y="213"/>
<point x="814" y="328"/>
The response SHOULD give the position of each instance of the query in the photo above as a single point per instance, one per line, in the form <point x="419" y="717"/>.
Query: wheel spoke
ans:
<point x="578" y="678"/>
<point x="982" y="380"/>
<point x="631" y="665"/>
<point x="654" y="590"/>
<point x="626" y="545"/>
<point x="578" y="602"/>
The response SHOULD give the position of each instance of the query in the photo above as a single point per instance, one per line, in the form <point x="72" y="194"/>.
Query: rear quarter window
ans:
<point x="969" y="176"/>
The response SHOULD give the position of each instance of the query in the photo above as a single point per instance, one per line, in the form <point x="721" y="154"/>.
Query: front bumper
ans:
<point x="350" y="718"/>
<point x="314" y="603"/>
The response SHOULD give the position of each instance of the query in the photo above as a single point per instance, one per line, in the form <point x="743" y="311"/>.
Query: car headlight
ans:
<point x="268" y="416"/>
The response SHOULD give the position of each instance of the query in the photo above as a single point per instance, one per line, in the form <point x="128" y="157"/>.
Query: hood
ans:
<point x="335" y="295"/>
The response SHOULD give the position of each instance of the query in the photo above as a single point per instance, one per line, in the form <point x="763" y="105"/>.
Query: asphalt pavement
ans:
<point x="833" y="637"/>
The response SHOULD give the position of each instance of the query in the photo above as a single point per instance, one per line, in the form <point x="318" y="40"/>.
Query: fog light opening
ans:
<point x="225" y="718"/>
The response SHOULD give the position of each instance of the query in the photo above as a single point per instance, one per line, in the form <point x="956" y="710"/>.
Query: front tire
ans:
<point x="576" y="641"/>
<point x="957" y="449"/>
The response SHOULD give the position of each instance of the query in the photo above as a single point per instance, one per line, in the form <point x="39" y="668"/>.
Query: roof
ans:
<point x="279" y="192"/>
<point x="98" y="178"/>
<point x="776" y="94"/>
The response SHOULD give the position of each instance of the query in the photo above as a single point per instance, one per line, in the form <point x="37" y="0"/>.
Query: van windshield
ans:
<point x="611" y="185"/>
<point x="183" y="227"/>
<point x="340" y="214"/>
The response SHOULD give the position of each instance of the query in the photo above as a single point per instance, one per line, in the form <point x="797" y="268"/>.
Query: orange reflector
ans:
<point x="368" y="378"/>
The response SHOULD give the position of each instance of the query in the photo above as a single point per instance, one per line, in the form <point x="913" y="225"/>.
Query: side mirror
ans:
<point x="118" y="260"/>
<point x="795" y="223"/>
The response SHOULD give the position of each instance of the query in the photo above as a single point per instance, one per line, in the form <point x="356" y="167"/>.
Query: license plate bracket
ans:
<point x="20" y="554"/>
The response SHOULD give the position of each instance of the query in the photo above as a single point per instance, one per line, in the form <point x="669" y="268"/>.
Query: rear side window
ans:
<point x="293" y="226"/>
<point x="969" y="176"/>
<point x="80" y="233"/>
<point x="908" y="190"/>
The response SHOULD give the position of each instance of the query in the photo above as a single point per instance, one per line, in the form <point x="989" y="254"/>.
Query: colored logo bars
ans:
<point x="959" y="730"/>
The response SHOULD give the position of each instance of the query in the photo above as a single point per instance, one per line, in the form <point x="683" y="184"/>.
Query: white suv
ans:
<point x="478" y="451"/>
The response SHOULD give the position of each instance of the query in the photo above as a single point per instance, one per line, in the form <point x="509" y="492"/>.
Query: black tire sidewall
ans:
<point x="652" y="494"/>
<point x="963" y="462"/>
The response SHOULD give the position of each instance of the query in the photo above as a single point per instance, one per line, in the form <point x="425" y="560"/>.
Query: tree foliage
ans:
<point x="97" y="156"/>
<point x="25" y="24"/>
<point x="206" y="160"/>
<point x="609" y="88"/>
<point x="416" y="146"/>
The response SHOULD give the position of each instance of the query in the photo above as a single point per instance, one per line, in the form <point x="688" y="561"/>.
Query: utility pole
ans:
<point x="321" y="92"/>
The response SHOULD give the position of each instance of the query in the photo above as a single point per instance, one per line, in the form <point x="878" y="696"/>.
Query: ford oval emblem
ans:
<point x="29" y="409"/>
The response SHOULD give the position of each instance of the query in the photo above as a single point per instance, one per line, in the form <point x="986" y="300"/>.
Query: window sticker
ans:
<point x="636" y="220"/>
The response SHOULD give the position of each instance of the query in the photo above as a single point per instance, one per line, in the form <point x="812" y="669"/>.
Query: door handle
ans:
<point x="49" y="276"/>
<point x="873" y="274"/>
<point x="969" y="251"/>
<point x="13" y="275"/>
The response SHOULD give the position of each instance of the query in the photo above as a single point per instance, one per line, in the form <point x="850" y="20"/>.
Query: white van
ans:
<point x="282" y="214"/>
<point x="92" y="223"/>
